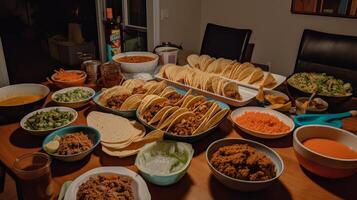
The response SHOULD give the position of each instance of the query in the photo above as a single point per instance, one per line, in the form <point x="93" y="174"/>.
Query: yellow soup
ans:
<point x="20" y="100"/>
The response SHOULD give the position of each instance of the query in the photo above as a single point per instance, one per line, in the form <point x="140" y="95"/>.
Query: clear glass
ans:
<point x="33" y="171"/>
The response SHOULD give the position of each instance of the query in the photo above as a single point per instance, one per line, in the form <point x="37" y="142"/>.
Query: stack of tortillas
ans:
<point x="119" y="136"/>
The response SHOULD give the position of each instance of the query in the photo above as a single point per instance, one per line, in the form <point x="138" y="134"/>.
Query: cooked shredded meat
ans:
<point x="149" y="113"/>
<point x="195" y="105"/>
<point x="139" y="90"/>
<point x="174" y="98"/>
<point x="242" y="161"/>
<point x="106" y="187"/>
<point x="73" y="143"/>
<point x="202" y="109"/>
<point x="115" y="102"/>
<point x="186" y="126"/>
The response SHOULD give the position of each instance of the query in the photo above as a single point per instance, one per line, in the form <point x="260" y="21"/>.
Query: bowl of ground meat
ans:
<point x="72" y="143"/>
<point x="244" y="165"/>
<point x="108" y="183"/>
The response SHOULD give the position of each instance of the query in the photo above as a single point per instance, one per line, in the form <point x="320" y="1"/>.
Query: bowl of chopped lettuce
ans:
<point x="45" y="120"/>
<point x="327" y="87"/>
<point x="73" y="97"/>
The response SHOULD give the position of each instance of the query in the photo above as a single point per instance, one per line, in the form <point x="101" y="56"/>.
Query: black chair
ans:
<point x="220" y="41"/>
<point x="334" y="54"/>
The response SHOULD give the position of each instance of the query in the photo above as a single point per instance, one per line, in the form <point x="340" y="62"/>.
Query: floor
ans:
<point x="10" y="189"/>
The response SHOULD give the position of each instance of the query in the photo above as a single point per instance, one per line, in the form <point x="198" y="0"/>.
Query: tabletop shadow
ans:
<point x="60" y="168"/>
<point x="286" y="141"/>
<point x="107" y="160"/>
<point x="21" y="138"/>
<point x="345" y="188"/>
<point x="275" y="191"/>
<point x="221" y="132"/>
<point x="173" y="192"/>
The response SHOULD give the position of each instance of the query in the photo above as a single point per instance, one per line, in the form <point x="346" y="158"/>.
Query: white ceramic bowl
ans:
<point x="137" y="67"/>
<point x="319" y="164"/>
<point x="238" y="184"/>
<point x="24" y="89"/>
<point x="140" y="188"/>
<point x="284" y="118"/>
<point x="45" y="132"/>
<point x="75" y="104"/>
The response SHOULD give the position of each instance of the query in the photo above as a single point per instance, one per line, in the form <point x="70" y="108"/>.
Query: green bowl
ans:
<point x="164" y="162"/>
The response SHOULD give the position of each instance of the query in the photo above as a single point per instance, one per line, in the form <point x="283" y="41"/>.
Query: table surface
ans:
<point x="198" y="183"/>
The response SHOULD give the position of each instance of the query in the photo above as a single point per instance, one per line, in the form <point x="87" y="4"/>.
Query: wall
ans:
<point x="183" y="24"/>
<point x="276" y="32"/>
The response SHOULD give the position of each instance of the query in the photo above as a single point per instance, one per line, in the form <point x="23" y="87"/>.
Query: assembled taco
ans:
<point x="152" y="108"/>
<point x="132" y="102"/>
<point x="257" y="74"/>
<point x="167" y="119"/>
<point x="195" y="102"/>
<point x="184" y="124"/>
<point x="159" y="115"/>
<point x="230" y="90"/>
<point x="215" y="119"/>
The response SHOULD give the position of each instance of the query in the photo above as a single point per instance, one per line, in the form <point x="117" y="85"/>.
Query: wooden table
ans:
<point x="198" y="183"/>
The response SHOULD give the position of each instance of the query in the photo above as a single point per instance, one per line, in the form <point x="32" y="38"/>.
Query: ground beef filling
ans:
<point x="115" y="102"/>
<point x="174" y="98"/>
<point x="106" y="187"/>
<point x="149" y="113"/>
<point x="74" y="143"/>
<point x="185" y="126"/>
<point x="244" y="162"/>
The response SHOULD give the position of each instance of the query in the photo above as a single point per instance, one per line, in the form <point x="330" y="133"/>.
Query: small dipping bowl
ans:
<point x="319" y="164"/>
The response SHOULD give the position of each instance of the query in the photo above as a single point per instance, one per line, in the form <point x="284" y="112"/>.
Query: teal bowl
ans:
<point x="92" y="133"/>
<point x="170" y="160"/>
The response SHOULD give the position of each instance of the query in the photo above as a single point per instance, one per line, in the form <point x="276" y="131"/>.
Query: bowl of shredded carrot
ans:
<point x="68" y="78"/>
<point x="262" y="122"/>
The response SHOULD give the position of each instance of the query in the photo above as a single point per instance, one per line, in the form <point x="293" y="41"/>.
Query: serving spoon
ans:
<point x="325" y="119"/>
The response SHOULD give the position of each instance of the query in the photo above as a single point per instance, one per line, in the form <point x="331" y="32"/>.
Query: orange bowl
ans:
<point x="72" y="83"/>
<point x="319" y="164"/>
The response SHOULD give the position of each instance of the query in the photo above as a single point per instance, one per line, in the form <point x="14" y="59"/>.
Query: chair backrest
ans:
<point x="220" y="41"/>
<point x="334" y="54"/>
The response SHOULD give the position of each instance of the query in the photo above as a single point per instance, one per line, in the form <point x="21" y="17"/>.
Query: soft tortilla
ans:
<point x="112" y="128"/>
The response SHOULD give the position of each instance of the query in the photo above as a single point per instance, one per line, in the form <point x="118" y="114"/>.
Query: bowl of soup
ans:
<point x="137" y="62"/>
<point x="326" y="151"/>
<point x="18" y="100"/>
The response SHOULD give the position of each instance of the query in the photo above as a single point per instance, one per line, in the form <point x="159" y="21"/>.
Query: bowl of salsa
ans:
<point x="137" y="62"/>
<point x="326" y="151"/>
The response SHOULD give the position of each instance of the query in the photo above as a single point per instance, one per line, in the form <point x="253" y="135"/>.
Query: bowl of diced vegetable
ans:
<point x="45" y="120"/>
<point x="73" y="97"/>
